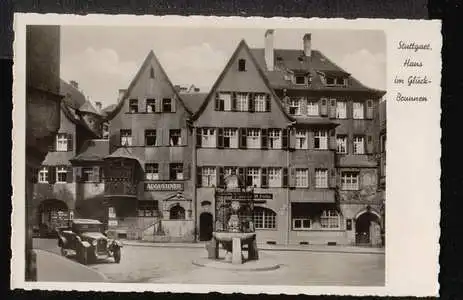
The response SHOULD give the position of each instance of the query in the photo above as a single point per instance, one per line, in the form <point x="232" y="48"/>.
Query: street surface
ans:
<point x="174" y="265"/>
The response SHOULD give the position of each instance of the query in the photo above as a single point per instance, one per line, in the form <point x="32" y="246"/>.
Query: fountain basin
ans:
<point x="229" y="236"/>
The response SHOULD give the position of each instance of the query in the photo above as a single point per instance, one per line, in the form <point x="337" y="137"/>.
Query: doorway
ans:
<point x="205" y="226"/>
<point x="366" y="229"/>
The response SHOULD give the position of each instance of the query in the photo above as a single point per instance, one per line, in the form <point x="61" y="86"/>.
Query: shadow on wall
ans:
<point x="92" y="208"/>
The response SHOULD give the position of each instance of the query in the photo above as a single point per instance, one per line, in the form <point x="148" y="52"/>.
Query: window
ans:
<point x="228" y="171"/>
<point x="167" y="105"/>
<point x="312" y="108"/>
<point x="274" y="177"/>
<point x="151" y="171"/>
<point x="264" y="218"/>
<point x="43" y="175"/>
<point x="302" y="178"/>
<point x="350" y="181"/>
<point x="126" y="137"/>
<point x="61" y="142"/>
<point x="105" y="131"/>
<point x="242" y="102"/>
<point x="295" y="106"/>
<point x="321" y="178"/>
<point x="300" y="79"/>
<point x="226" y="103"/>
<point x="177" y="213"/>
<point x="330" y="219"/>
<point x="150" y="137"/>
<point x="341" y="110"/>
<point x="302" y="223"/>
<point x="208" y="176"/>
<point x="87" y="175"/>
<point x="359" y="145"/>
<point x="150" y="105"/>
<point x="335" y="80"/>
<point x="208" y="138"/>
<point x="358" y="110"/>
<point x="253" y="138"/>
<point x="61" y="174"/>
<point x="320" y="139"/>
<point x="147" y="208"/>
<point x="175" y="137"/>
<point x="151" y="73"/>
<point x="330" y="80"/>
<point x="260" y="101"/>
<point x="242" y="65"/>
<point x="230" y="138"/>
<point x="133" y="105"/>
<point x="341" y="144"/>
<point x="274" y="139"/>
<point x="301" y="139"/>
<point x="176" y="171"/>
<point x="253" y="177"/>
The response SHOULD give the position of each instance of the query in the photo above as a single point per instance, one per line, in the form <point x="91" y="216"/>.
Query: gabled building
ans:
<point x="55" y="189"/>
<point x="316" y="91"/>
<point x="147" y="173"/>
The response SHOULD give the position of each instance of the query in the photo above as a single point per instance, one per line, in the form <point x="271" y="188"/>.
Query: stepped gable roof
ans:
<point x="193" y="100"/>
<point x="93" y="150"/>
<point x="88" y="107"/>
<point x="72" y="96"/>
<point x="293" y="60"/>
<point x="145" y="64"/>
<point x="244" y="45"/>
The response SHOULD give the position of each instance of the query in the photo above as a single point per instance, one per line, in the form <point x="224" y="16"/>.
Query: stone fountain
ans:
<point x="234" y="228"/>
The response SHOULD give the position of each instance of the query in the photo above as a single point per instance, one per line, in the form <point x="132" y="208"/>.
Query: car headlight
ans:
<point x="94" y="242"/>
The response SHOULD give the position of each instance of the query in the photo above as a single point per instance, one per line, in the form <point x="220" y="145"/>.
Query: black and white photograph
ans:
<point x="206" y="155"/>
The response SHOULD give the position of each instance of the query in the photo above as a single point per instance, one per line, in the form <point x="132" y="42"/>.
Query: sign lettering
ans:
<point x="246" y="196"/>
<point x="165" y="186"/>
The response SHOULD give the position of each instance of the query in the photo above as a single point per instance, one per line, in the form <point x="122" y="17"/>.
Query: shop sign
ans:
<point x="112" y="223"/>
<point x="163" y="186"/>
<point x="246" y="196"/>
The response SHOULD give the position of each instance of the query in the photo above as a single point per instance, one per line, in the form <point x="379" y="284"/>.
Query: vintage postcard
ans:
<point x="201" y="154"/>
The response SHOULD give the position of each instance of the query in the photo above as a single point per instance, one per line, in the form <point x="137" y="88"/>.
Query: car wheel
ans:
<point x="63" y="251"/>
<point x="117" y="256"/>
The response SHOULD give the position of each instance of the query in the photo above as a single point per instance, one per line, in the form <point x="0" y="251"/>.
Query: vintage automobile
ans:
<point x="87" y="239"/>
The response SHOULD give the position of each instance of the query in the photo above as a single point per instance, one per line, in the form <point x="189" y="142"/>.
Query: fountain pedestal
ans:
<point x="233" y="243"/>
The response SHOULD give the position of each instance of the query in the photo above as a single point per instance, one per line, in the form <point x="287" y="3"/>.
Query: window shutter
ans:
<point x="251" y="102"/>
<point x="198" y="177"/>
<point x="310" y="139"/>
<point x="241" y="175"/>
<point x="248" y="178"/>
<point x="264" y="138"/>
<point x="285" y="177"/>
<point x="267" y="103"/>
<point x="96" y="174"/>
<point x="52" y="146"/>
<point x="220" y="177"/>
<point x="219" y="137"/>
<point x="184" y="136"/>
<point x="78" y="174"/>
<point x="217" y="101"/>
<point x="52" y="174"/>
<point x="70" y="144"/>
<point x="369" y="109"/>
<point x="292" y="138"/>
<point x="332" y="140"/>
<point x="284" y="141"/>
<point x="233" y="102"/>
<point x="303" y="103"/>
<point x="323" y="106"/>
<point x="242" y="136"/>
<point x="349" y="109"/>
<point x="264" y="179"/>
<point x="292" y="178"/>
<point x="70" y="175"/>
<point x="333" y="108"/>
<point x="332" y="179"/>
<point x="198" y="138"/>
<point x="186" y="171"/>
<point x="173" y="104"/>
<point x="35" y="174"/>
<point x="369" y="144"/>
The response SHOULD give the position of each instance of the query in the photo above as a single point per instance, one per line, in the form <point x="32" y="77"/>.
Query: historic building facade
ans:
<point x="148" y="188"/>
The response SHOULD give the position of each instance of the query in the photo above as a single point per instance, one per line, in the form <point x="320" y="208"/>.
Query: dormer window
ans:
<point x="332" y="80"/>
<point x="242" y="65"/>
<point x="299" y="79"/>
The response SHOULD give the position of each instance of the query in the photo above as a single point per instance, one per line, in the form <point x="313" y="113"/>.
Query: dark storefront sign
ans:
<point x="246" y="196"/>
<point x="163" y="186"/>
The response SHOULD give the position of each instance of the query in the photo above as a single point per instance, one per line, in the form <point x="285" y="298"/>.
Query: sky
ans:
<point x="104" y="59"/>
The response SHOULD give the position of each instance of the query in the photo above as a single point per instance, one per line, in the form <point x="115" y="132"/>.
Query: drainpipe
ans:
<point x="193" y="174"/>
<point x="288" y="203"/>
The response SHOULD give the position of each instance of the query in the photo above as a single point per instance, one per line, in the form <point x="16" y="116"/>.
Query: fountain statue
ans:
<point x="234" y="228"/>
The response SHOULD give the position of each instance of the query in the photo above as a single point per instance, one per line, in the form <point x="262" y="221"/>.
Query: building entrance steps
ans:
<point x="266" y="247"/>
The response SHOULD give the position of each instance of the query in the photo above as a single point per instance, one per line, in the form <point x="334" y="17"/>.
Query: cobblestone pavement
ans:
<point x="174" y="265"/>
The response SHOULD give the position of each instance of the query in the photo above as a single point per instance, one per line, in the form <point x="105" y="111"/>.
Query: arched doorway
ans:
<point x="205" y="226"/>
<point x="52" y="213"/>
<point x="367" y="229"/>
<point x="177" y="212"/>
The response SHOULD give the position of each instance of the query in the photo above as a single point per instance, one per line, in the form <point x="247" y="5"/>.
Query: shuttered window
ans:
<point x="62" y="142"/>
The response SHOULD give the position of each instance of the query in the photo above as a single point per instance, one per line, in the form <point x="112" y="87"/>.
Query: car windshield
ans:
<point x="88" y="227"/>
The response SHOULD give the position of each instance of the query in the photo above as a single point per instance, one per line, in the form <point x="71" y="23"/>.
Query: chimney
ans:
<point x="268" y="52"/>
<point x="74" y="84"/>
<point x="98" y="105"/>
<point x="121" y="94"/>
<point x="307" y="42"/>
